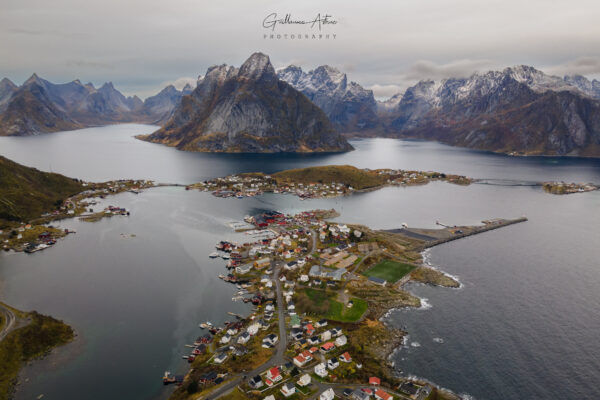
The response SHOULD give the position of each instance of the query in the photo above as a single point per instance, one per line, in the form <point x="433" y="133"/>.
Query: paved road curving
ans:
<point x="10" y="321"/>
<point x="276" y="359"/>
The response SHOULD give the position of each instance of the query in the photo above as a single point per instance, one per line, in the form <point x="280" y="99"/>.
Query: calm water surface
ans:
<point x="105" y="153"/>
<point x="524" y="325"/>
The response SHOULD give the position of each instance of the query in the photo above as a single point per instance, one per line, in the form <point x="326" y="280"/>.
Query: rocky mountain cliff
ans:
<point x="7" y="88"/>
<point x="31" y="109"/>
<point x="517" y="110"/>
<point x="162" y="105"/>
<point x="248" y="110"/>
<point x="40" y="106"/>
<point x="349" y="106"/>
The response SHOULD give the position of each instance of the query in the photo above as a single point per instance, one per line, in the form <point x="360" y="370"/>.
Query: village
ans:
<point x="314" y="183"/>
<point x="315" y="330"/>
<point x="40" y="234"/>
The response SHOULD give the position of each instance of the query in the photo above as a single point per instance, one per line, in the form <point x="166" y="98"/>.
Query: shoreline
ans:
<point x="57" y="357"/>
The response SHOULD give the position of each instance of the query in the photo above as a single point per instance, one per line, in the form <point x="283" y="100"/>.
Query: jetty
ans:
<point x="434" y="237"/>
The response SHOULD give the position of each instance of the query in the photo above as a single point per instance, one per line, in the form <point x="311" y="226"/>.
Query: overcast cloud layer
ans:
<point x="141" y="45"/>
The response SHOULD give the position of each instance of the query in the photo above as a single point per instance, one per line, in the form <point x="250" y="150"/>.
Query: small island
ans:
<point x="568" y="188"/>
<point x="318" y="182"/>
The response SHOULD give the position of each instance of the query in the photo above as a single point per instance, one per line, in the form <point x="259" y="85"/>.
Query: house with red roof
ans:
<point x="309" y="329"/>
<point x="346" y="357"/>
<point x="374" y="381"/>
<point x="327" y="347"/>
<point x="383" y="395"/>
<point x="274" y="375"/>
<point x="300" y="360"/>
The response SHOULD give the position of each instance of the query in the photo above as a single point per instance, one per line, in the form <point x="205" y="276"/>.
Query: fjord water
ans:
<point x="523" y="325"/>
<point x="100" y="154"/>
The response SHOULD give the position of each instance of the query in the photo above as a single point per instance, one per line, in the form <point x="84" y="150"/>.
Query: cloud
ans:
<point x="86" y="64"/>
<point x="22" y="31"/>
<point x="385" y="91"/>
<point x="579" y="66"/>
<point x="180" y="83"/>
<point x="424" y="69"/>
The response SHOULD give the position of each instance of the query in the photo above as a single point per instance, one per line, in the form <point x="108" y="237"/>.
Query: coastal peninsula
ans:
<point x="320" y="290"/>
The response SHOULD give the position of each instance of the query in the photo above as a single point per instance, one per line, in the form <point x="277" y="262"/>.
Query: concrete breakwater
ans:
<point x="496" y="224"/>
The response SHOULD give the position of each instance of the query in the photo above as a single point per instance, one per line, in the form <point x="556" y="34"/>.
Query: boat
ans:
<point x="214" y="254"/>
<point x="167" y="378"/>
<point x="225" y="256"/>
<point x="205" y="325"/>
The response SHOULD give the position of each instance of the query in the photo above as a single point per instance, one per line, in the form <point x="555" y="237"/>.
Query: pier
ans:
<point x="434" y="237"/>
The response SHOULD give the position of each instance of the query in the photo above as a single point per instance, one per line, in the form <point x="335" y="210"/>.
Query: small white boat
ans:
<point x="225" y="256"/>
<point x="206" y="325"/>
<point x="214" y="254"/>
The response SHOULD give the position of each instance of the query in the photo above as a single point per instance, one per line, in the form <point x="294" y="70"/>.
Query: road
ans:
<point x="277" y="358"/>
<point x="10" y="321"/>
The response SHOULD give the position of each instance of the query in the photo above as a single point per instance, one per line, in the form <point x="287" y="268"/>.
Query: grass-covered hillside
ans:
<point x="39" y="335"/>
<point x="346" y="174"/>
<point x="26" y="193"/>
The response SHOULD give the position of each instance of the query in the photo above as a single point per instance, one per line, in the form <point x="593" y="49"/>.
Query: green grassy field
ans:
<point x="346" y="174"/>
<point x="389" y="270"/>
<point x="322" y="304"/>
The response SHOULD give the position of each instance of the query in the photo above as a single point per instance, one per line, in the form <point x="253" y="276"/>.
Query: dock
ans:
<point x="434" y="237"/>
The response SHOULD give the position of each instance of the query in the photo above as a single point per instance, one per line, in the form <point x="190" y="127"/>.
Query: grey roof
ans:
<point x="377" y="280"/>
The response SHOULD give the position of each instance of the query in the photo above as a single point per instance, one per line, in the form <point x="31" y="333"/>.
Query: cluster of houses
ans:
<point x="247" y="186"/>
<point x="318" y="350"/>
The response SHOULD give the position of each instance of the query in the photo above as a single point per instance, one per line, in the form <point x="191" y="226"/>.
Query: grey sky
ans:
<point x="141" y="45"/>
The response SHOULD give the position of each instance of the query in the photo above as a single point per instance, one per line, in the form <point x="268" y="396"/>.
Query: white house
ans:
<point x="244" y="337"/>
<point x="291" y="266"/>
<point x="322" y="323"/>
<point x="325" y="336"/>
<point x="225" y="339"/>
<point x="253" y="329"/>
<point x="304" y="380"/>
<point x="243" y="269"/>
<point x="321" y="370"/>
<point x="232" y="331"/>
<point x="270" y="340"/>
<point x="327" y="395"/>
<point x="269" y="397"/>
<point x="220" y="358"/>
<point x="288" y="389"/>
<point x="256" y="382"/>
<point x="333" y="363"/>
<point x="341" y="340"/>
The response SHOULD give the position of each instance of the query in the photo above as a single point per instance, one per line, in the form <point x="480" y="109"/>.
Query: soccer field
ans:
<point x="389" y="270"/>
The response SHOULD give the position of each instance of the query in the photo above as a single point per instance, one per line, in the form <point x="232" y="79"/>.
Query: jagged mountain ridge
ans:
<point x="248" y="110"/>
<point x="349" y="106"/>
<point x="40" y="106"/>
<point x="517" y="110"/>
